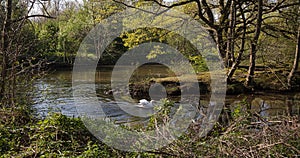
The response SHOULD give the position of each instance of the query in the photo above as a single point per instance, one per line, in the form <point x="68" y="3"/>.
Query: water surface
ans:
<point x="54" y="93"/>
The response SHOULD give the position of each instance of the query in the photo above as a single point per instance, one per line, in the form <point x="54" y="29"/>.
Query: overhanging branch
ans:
<point x="33" y="16"/>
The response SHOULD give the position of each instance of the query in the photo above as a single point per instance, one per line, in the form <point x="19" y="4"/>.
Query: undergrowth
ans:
<point x="246" y="135"/>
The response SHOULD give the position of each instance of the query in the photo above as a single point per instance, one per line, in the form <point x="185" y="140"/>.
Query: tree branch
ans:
<point x="202" y="17"/>
<point x="130" y="6"/>
<point x="32" y="16"/>
<point x="174" y="4"/>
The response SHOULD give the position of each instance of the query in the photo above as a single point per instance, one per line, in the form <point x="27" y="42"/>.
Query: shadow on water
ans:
<point x="54" y="93"/>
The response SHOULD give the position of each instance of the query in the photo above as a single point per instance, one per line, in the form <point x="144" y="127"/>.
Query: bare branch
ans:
<point x="32" y="16"/>
<point x="202" y="17"/>
<point x="44" y="7"/>
<point x="130" y="6"/>
<point x="174" y="4"/>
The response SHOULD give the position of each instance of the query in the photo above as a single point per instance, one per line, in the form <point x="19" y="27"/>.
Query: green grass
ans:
<point x="61" y="136"/>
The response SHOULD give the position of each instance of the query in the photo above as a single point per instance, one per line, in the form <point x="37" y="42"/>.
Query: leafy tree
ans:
<point x="48" y="37"/>
<point x="235" y="26"/>
<point x="16" y="38"/>
<point x="75" y="23"/>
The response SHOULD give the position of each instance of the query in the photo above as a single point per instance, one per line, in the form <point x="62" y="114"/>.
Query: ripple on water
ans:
<point x="54" y="93"/>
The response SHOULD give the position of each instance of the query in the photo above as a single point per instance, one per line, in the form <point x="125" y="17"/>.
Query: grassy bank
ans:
<point x="272" y="81"/>
<point x="246" y="134"/>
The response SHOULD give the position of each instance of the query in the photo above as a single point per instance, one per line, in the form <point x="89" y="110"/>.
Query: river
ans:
<point x="54" y="93"/>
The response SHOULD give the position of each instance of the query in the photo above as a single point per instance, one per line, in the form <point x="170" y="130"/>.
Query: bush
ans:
<point x="246" y="135"/>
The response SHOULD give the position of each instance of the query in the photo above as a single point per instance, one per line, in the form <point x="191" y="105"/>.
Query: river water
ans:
<point x="54" y="93"/>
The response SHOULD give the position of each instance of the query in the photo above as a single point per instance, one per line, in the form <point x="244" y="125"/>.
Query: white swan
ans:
<point x="146" y="104"/>
<point x="143" y="109"/>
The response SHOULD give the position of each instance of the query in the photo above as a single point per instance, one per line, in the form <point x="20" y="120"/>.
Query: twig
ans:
<point x="295" y="149"/>
<point x="285" y="86"/>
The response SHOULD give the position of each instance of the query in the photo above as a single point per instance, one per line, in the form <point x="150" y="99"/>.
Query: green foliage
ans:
<point x="21" y="135"/>
<point x="61" y="136"/>
<point x="59" y="39"/>
<point x="55" y="136"/>
<point x="48" y="37"/>
<point x="94" y="150"/>
<point x="145" y="35"/>
<point x="198" y="63"/>
<point x="237" y="111"/>
<point x="162" y="115"/>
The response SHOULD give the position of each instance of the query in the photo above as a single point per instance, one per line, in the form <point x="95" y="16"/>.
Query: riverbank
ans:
<point x="246" y="134"/>
<point x="264" y="81"/>
<point x="243" y="133"/>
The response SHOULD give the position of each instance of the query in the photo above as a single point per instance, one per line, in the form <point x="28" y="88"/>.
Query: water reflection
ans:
<point x="54" y="93"/>
<point x="269" y="104"/>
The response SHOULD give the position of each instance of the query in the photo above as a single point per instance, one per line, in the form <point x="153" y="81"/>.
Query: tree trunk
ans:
<point x="5" y="48"/>
<point x="249" y="79"/>
<point x="231" y="35"/>
<point x="242" y="47"/>
<point x="296" y="61"/>
<point x="221" y="44"/>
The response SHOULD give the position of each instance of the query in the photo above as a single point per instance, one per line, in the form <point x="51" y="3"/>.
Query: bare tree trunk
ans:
<point x="249" y="79"/>
<point x="296" y="60"/>
<point x="221" y="44"/>
<point x="5" y="48"/>
<point x="242" y="47"/>
<point x="231" y="35"/>
<point x="216" y="31"/>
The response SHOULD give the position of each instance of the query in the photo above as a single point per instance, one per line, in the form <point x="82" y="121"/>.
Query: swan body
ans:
<point x="146" y="104"/>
